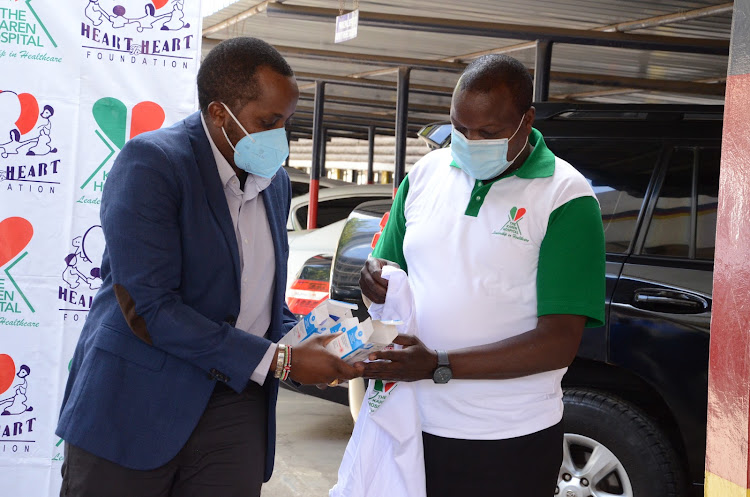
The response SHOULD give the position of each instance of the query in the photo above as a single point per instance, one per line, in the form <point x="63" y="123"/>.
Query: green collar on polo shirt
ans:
<point x="539" y="164"/>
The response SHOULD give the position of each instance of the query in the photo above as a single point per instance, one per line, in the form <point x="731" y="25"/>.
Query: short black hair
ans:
<point x="489" y="71"/>
<point x="227" y="74"/>
<point x="24" y="368"/>
<point x="50" y="109"/>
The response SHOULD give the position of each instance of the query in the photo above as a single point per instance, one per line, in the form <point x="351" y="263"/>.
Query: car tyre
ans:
<point x="611" y="446"/>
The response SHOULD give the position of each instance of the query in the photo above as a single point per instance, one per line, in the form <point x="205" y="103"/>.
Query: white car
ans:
<point x="334" y="204"/>
<point x="301" y="182"/>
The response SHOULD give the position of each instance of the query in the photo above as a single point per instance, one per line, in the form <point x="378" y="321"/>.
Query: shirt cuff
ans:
<point x="261" y="372"/>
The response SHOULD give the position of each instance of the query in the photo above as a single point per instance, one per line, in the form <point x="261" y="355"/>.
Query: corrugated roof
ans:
<point x="576" y="14"/>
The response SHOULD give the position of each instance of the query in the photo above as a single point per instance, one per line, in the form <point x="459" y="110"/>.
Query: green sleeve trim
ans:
<point x="391" y="243"/>
<point x="571" y="272"/>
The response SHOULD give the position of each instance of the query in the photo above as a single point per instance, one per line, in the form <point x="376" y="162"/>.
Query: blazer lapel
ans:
<point x="217" y="200"/>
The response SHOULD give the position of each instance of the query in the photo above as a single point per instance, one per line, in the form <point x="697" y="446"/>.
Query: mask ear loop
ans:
<point x="238" y="124"/>
<point x="524" y="145"/>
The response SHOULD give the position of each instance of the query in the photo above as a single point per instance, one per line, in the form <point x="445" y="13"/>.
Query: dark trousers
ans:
<point x="224" y="457"/>
<point x="526" y="466"/>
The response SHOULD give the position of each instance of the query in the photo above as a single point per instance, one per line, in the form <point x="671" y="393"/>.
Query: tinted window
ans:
<point x="330" y="211"/>
<point x="619" y="171"/>
<point x="708" y="201"/>
<point x="684" y="220"/>
<point x="669" y="232"/>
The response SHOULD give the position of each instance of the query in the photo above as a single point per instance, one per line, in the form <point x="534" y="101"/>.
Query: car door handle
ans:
<point x="669" y="301"/>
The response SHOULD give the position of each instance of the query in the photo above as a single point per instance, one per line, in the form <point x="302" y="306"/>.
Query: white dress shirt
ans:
<point x="257" y="259"/>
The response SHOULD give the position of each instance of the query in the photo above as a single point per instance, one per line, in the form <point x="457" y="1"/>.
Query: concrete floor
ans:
<point x="312" y="436"/>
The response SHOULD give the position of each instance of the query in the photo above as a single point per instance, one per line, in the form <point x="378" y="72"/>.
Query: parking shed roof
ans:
<point x="608" y="51"/>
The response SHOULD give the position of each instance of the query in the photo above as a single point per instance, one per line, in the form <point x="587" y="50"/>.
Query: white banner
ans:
<point x="77" y="80"/>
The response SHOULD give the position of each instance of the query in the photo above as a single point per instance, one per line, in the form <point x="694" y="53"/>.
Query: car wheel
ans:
<point x="611" y="448"/>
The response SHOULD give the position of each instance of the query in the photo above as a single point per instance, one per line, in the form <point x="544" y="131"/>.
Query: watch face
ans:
<point x="442" y="374"/>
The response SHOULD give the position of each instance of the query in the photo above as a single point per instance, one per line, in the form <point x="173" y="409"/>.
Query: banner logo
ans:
<point x="15" y="235"/>
<point x="17" y="421"/>
<point x="28" y="150"/>
<point x="23" y="34"/>
<point x="111" y="115"/>
<point x="82" y="274"/>
<point x="150" y="33"/>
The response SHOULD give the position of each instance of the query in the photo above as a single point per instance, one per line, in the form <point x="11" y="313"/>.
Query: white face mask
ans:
<point x="483" y="159"/>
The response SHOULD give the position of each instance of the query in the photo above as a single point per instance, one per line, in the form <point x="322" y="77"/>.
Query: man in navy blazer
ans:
<point x="172" y="390"/>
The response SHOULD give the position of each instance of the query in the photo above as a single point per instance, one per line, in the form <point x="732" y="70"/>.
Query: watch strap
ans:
<point x="442" y="358"/>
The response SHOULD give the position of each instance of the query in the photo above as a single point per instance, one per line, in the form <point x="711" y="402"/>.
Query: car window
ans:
<point x="684" y="221"/>
<point x="619" y="171"/>
<point x="300" y="188"/>
<point x="708" y="202"/>
<point x="332" y="210"/>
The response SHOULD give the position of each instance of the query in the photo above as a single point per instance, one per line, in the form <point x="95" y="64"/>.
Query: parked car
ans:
<point x="636" y="395"/>
<point x="334" y="204"/>
<point x="301" y="182"/>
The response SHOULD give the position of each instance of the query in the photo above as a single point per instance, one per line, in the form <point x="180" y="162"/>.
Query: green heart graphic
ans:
<point x="513" y="213"/>
<point x="111" y="115"/>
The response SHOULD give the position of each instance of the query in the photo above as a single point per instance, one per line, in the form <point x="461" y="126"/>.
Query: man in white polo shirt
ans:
<point x="504" y="248"/>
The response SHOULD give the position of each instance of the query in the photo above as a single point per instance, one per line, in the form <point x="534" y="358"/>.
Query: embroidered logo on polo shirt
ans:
<point x="512" y="228"/>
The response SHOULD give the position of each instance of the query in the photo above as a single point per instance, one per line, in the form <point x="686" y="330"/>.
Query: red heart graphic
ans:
<point x="388" y="385"/>
<point x="147" y="116"/>
<point x="520" y="214"/>
<point x="7" y="372"/>
<point x="160" y="3"/>
<point x="29" y="113"/>
<point x="15" y="234"/>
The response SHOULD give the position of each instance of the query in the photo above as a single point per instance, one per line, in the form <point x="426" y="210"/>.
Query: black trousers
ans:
<point x="224" y="457"/>
<point x="526" y="466"/>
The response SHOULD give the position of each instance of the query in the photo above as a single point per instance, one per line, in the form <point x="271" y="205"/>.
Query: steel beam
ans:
<point x="402" y="120"/>
<point x="317" y="133"/>
<point x="371" y="155"/>
<point x="369" y="59"/>
<point x="543" y="62"/>
<point x="372" y="83"/>
<point x="512" y="31"/>
<point x="378" y="104"/>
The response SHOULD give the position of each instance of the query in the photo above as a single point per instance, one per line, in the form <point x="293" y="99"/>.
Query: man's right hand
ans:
<point x="313" y="364"/>
<point x="371" y="281"/>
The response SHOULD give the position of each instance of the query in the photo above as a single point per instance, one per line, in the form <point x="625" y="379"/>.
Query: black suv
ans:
<point x="636" y="394"/>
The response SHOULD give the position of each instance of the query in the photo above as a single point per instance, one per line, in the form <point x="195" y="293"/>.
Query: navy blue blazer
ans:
<point x="160" y="331"/>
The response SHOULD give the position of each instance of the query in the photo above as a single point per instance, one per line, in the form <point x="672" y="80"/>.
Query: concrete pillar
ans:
<point x="728" y="429"/>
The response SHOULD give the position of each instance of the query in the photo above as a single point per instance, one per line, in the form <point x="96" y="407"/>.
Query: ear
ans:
<point x="217" y="114"/>
<point x="529" y="122"/>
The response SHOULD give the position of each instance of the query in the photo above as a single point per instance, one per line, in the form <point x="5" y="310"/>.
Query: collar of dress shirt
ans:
<point x="253" y="184"/>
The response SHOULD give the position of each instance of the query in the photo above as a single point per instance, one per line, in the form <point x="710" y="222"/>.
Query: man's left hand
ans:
<point x="413" y="362"/>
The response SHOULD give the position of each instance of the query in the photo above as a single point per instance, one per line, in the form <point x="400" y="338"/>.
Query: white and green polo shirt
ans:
<point x="485" y="259"/>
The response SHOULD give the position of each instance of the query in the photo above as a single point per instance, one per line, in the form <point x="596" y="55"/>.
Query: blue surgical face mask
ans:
<point x="260" y="153"/>
<point x="483" y="159"/>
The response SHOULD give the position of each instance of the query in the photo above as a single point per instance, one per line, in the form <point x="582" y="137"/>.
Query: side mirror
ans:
<point x="436" y="135"/>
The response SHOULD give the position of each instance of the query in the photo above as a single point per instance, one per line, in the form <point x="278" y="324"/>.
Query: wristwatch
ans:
<point x="443" y="372"/>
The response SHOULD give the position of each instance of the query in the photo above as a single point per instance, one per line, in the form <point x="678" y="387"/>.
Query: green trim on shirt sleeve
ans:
<point x="391" y="243"/>
<point x="571" y="272"/>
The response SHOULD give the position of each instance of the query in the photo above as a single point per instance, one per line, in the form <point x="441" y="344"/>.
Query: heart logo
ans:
<point x="147" y="116"/>
<point x="29" y="112"/>
<point x="15" y="234"/>
<point x="7" y="372"/>
<point x="160" y="3"/>
<point x="112" y="117"/>
<point x="518" y="215"/>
